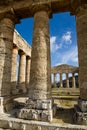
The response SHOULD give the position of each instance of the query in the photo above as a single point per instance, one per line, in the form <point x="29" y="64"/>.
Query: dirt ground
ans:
<point x="65" y="111"/>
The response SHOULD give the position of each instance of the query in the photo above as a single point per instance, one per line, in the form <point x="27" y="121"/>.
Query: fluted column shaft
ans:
<point x="73" y="80"/>
<point x="81" y="22"/>
<point x="67" y="80"/>
<point x="55" y="80"/>
<point x="14" y="68"/>
<point x="40" y="80"/>
<point x="6" y="45"/>
<point x="61" y="82"/>
<point x="22" y="73"/>
<point x="27" y="71"/>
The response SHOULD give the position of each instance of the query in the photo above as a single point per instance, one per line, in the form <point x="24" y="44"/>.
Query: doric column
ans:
<point x="27" y="71"/>
<point x="73" y="81"/>
<point x="7" y="22"/>
<point x="14" y="70"/>
<point x="40" y="61"/>
<point x="6" y="44"/>
<point x="81" y="22"/>
<point x="55" y="80"/>
<point x="22" y="73"/>
<point x="61" y="82"/>
<point x="40" y="104"/>
<point x="67" y="80"/>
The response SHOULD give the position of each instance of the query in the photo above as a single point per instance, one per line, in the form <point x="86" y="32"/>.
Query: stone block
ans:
<point x="39" y="104"/>
<point x="79" y="116"/>
<point x="34" y="114"/>
<point x="4" y="124"/>
<point x="29" y="114"/>
<point x="83" y="105"/>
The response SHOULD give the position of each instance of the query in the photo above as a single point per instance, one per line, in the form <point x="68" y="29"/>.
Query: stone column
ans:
<point x="14" y="70"/>
<point x="55" y="80"/>
<point x="27" y="71"/>
<point x="67" y="80"/>
<point x="73" y="81"/>
<point x="61" y="82"/>
<point x="22" y="73"/>
<point x="39" y="104"/>
<point x="6" y="44"/>
<point x="81" y="22"/>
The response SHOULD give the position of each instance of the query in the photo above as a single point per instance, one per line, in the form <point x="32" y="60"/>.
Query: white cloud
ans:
<point x="58" y="43"/>
<point x="70" y="55"/>
<point x="67" y="38"/>
<point x="53" y="44"/>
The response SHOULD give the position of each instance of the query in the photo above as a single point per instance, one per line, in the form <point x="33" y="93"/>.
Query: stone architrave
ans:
<point x="39" y="105"/>
<point x="22" y="73"/>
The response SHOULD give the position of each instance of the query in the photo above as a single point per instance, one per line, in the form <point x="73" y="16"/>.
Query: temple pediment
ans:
<point x="64" y="68"/>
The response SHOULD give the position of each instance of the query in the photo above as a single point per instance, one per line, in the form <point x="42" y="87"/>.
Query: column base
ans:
<point x="41" y="110"/>
<point x="80" y="116"/>
<point x="83" y="105"/>
<point x="22" y="90"/>
<point x="6" y="104"/>
<point x="15" y="91"/>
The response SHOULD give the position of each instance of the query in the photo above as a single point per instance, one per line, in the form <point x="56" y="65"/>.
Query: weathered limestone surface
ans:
<point x="81" y="21"/>
<point x="64" y="68"/>
<point x="14" y="70"/>
<point x="40" y="66"/>
<point x="61" y="83"/>
<point x="40" y="63"/>
<point x="55" y="80"/>
<point x="19" y="124"/>
<point x="27" y="71"/>
<point x="22" y="73"/>
<point x="21" y="44"/>
<point x="39" y="106"/>
<point x="23" y="9"/>
<point x="73" y="82"/>
<point x="6" y="45"/>
<point x="67" y="80"/>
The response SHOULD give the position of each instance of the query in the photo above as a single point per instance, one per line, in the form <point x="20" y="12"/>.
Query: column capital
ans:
<point x="15" y="47"/>
<point x="21" y="52"/>
<point x="27" y="57"/>
<point x="41" y="7"/>
<point x="79" y="9"/>
<point x="11" y="15"/>
<point x="73" y="73"/>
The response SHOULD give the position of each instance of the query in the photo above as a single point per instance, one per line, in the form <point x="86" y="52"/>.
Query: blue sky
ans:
<point x="63" y="38"/>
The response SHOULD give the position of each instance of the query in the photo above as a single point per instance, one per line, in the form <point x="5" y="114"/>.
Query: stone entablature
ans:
<point x="21" y="44"/>
<point x="23" y="9"/>
<point x="64" y="68"/>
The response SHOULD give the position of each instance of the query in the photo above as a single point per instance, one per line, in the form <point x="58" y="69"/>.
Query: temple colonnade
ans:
<point x="39" y="105"/>
<point x="64" y="69"/>
<point x="20" y="70"/>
